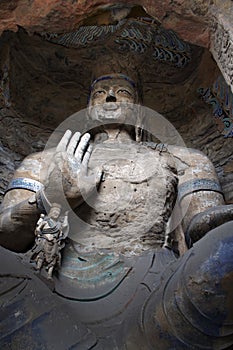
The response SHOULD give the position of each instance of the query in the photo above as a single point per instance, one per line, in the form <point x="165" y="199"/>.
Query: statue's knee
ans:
<point x="194" y="302"/>
<point x="217" y="241"/>
<point x="208" y="274"/>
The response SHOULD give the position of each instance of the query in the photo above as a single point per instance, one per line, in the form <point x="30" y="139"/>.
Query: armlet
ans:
<point x="198" y="185"/>
<point x="25" y="184"/>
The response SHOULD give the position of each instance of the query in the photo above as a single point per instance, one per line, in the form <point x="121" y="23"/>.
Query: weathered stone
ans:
<point x="53" y="16"/>
<point x="199" y="22"/>
<point x="222" y="45"/>
<point x="43" y="83"/>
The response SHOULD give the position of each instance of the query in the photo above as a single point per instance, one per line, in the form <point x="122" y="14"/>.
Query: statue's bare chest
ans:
<point x="126" y="176"/>
<point x="133" y="194"/>
<point x="128" y="162"/>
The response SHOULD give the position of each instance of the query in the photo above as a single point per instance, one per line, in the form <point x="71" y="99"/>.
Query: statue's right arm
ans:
<point x="62" y="172"/>
<point x="19" y="211"/>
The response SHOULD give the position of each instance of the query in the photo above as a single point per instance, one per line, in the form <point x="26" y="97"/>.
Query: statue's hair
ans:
<point x="113" y="76"/>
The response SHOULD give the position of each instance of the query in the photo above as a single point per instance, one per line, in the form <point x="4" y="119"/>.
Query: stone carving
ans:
<point x="50" y="234"/>
<point x="4" y="87"/>
<point x="129" y="273"/>
<point x="222" y="48"/>
<point x="137" y="35"/>
<point x="221" y="99"/>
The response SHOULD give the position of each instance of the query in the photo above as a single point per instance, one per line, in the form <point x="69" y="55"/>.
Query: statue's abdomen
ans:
<point x="133" y="202"/>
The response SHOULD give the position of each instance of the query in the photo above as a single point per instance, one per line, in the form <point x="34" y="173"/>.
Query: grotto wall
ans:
<point x="181" y="51"/>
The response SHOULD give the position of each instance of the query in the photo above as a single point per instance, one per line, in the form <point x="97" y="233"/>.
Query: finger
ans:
<point x="73" y="143"/>
<point x="61" y="147"/>
<point x="82" y="147"/>
<point x="86" y="157"/>
<point x="99" y="173"/>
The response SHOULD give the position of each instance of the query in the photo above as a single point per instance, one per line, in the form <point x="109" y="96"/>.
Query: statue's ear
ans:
<point x="139" y="123"/>
<point x="88" y="111"/>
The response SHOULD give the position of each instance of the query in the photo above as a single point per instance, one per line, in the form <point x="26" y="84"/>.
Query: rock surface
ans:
<point x="42" y="83"/>
<point x="200" y="22"/>
<point x="187" y="17"/>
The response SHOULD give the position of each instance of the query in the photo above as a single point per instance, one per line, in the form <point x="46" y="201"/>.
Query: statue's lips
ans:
<point x="109" y="110"/>
<point x="110" y="106"/>
<point x="112" y="111"/>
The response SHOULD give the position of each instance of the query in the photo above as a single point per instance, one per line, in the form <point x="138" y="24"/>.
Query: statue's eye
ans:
<point x="99" y="93"/>
<point x="124" y="92"/>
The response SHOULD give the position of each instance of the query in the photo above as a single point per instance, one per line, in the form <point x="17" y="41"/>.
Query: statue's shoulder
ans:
<point x="190" y="161"/>
<point x="186" y="152"/>
<point x="41" y="157"/>
<point x="33" y="164"/>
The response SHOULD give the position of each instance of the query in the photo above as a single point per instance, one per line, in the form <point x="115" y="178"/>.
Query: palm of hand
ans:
<point x="68" y="171"/>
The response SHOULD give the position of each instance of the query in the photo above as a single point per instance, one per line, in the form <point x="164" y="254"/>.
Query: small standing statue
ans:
<point x="51" y="231"/>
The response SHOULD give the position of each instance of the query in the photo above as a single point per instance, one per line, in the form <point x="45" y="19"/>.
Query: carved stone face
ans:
<point x="54" y="213"/>
<point x="112" y="99"/>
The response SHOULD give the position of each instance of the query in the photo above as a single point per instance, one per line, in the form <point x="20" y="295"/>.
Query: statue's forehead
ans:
<point x="113" y="82"/>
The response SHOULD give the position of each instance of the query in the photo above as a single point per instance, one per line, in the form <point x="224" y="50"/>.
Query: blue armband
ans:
<point x="25" y="184"/>
<point x="196" y="185"/>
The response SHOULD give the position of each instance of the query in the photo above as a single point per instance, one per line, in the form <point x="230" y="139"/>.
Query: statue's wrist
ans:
<point x="42" y="202"/>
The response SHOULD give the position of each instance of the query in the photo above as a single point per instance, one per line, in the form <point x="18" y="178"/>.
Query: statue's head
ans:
<point x="111" y="96"/>
<point x="55" y="211"/>
<point x="117" y="87"/>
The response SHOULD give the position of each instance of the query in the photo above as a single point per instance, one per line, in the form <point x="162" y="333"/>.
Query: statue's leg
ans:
<point x="194" y="307"/>
<point x="32" y="316"/>
<point x="39" y="263"/>
<point x="50" y="270"/>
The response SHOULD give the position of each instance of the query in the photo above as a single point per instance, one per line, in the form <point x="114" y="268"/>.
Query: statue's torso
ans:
<point x="134" y="200"/>
<point x="104" y="284"/>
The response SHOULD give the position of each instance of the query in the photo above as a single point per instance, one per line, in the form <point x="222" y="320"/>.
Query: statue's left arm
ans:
<point x="201" y="200"/>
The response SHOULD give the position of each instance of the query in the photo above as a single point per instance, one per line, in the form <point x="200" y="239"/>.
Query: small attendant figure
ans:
<point x="51" y="231"/>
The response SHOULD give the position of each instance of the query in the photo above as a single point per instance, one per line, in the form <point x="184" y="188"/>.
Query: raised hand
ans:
<point x="68" y="172"/>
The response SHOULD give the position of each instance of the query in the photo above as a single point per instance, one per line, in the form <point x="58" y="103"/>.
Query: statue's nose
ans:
<point x="111" y="96"/>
